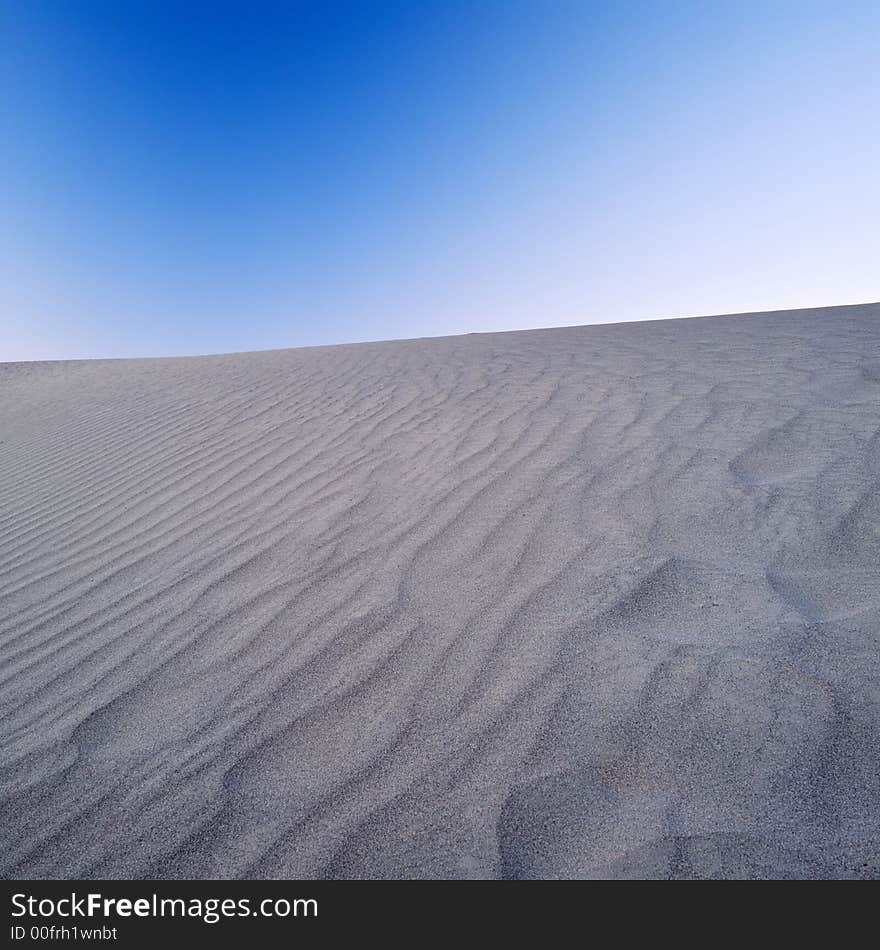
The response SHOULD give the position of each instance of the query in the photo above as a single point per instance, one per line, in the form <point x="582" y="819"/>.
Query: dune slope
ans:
<point x="599" y="601"/>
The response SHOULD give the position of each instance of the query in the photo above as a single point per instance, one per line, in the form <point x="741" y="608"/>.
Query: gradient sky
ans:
<point x="194" y="178"/>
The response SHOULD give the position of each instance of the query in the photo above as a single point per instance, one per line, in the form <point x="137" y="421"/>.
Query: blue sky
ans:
<point x="194" y="178"/>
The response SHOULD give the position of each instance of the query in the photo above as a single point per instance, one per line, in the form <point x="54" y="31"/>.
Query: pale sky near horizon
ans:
<point x="182" y="178"/>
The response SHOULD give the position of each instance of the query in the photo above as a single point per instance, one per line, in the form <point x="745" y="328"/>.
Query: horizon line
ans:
<point x="447" y="336"/>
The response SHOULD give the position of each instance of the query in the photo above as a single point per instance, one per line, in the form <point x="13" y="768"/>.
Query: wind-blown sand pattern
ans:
<point x="588" y="602"/>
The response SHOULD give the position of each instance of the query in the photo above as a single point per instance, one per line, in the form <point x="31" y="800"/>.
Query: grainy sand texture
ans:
<point x="590" y="602"/>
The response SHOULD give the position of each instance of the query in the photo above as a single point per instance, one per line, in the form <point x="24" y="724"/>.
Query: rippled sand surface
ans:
<point x="599" y="601"/>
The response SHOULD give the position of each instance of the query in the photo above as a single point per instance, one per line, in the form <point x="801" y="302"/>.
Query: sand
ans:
<point x="590" y="602"/>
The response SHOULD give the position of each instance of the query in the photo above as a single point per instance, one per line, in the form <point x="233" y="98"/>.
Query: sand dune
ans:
<point x="588" y="602"/>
